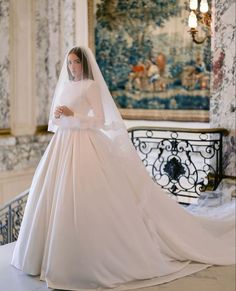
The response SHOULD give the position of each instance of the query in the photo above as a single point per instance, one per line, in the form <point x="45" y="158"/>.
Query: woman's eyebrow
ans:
<point x="74" y="60"/>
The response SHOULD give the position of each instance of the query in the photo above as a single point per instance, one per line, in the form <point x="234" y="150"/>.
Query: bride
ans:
<point x="94" y="218"/>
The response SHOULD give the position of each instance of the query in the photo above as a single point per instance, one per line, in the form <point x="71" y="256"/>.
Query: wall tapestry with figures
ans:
<point x="148" y="59"/>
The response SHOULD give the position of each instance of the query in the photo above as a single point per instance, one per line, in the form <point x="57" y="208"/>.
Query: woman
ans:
<point x="94" y="218"/>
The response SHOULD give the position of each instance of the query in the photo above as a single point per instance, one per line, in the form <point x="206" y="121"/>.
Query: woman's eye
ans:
<point x="78" y="61"/>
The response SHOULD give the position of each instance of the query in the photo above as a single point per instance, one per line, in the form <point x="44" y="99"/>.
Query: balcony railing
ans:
<point x="185" y="162"/>
<point x="11" y="216"/>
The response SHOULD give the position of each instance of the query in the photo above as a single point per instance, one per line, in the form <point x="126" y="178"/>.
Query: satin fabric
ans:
<point x="95" y="219"/>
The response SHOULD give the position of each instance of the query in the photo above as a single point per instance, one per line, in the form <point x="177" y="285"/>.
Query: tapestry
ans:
<point x="149" y="60"/>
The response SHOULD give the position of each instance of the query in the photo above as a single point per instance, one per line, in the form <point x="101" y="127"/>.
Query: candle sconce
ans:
<point x="200" y="16"/>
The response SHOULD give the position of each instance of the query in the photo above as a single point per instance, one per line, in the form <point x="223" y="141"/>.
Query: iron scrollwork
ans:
<point x="10" y="219"/>
<point x="185" y="162"/>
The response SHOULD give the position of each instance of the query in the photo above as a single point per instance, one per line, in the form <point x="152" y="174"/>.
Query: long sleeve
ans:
<point x="95" y="115"/>
<point x="88" y="109"/>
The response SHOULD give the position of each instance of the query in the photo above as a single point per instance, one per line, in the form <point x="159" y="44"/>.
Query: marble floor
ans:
<point x="220" y="278"/>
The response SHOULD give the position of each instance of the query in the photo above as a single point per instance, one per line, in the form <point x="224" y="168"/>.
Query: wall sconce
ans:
<point x="199" y="16"/>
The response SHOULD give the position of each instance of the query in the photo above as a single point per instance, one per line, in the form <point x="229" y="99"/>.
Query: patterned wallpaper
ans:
<point x="4" y="65"/>
<point x="223" y="103"/>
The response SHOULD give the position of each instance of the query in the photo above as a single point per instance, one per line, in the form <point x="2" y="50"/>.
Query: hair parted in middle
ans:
<point x="86" y="69"/>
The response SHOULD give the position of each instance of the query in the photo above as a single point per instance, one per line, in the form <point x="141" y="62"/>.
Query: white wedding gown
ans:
<point x="86" y="225"/>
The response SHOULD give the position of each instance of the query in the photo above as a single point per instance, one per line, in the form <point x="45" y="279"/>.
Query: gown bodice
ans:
<point x="73" y="96"/>
<point x="84" y="100"/>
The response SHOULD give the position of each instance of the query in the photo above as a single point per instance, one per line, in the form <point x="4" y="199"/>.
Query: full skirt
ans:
<point x="94" y="220"/>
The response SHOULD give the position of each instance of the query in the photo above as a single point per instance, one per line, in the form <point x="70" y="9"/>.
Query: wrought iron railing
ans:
<point x="184" y="161"/>
<point x="11" y="216"/>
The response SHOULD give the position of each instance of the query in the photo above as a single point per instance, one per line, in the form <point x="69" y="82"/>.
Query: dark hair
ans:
<point x="87" y="72"/>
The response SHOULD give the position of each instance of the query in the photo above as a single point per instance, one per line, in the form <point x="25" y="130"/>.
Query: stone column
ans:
<point x="22" y="93"/>
<point x="223" y="103"/>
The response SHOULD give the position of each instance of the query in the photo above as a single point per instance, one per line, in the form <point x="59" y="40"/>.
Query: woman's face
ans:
<point x="75" y="66"/>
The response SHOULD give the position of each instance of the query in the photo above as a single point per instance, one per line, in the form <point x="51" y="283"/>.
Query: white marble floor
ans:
<point x="220" y="278"/>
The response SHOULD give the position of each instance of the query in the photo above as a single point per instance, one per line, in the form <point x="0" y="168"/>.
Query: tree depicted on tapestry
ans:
<point x="147" y="56"/>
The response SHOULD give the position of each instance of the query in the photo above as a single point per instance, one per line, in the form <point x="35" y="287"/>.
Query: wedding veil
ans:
<point x="91" y="71"/>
